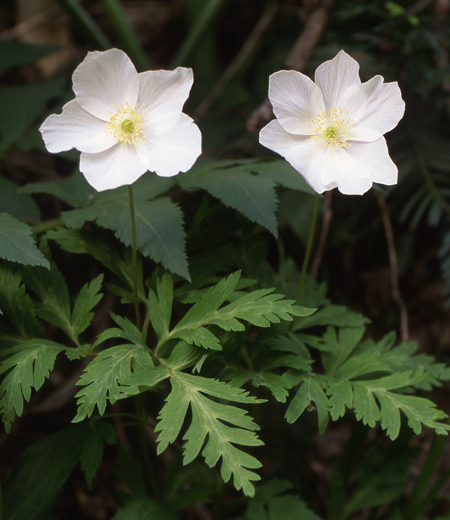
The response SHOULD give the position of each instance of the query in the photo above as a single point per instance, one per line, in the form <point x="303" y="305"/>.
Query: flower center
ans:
<point x="126" y="124"/>
<point x="332" y="129"/>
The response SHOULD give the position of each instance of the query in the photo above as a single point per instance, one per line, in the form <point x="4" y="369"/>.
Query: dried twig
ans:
<point x="396" y="296"/>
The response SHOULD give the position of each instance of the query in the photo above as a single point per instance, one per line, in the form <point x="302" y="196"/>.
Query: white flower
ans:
<point x="331" y="131"/>
<point x="125" y="123"/>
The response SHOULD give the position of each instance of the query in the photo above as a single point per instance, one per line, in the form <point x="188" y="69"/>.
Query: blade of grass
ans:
<point x="197" y="30"/>
<point x="84" y="20"/>
<point x="125" y="33"/>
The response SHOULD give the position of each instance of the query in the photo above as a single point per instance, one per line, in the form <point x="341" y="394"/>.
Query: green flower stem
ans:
<point x="418" y="500"/>
<point x="45" y="226"/>
<point x="82" y="18"/>
<point x="133" y="238"/>
<point x="308" y="248"/>
<point x="125" y="33"/>
<point x="139" y="404"/>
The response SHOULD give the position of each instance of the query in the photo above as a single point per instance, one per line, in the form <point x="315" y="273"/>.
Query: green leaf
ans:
<point x="16" y="244"/>
<point x="259" y="308"/>
<point x="29" y="365"/>
<point x="144" y="509"/>
<point x="17" y="305"/>
<point x="207" y="426"/>
<point x="13" y="53"/>
<point x="159" y="228"/>
<point x="40" y="474"/>
<point x="159" y="306"/>
<point x="87" y="299"/>
<point x="270" y="504"/>
<point x="19" y="206"/>
<point x="102" y="378"/>
<point x="311" y="390"/>
<point x="100" y="433"/>
<point x="52" y="289"/>
<point x="338" y="346"/>
<point x="238" y="185"/>
<point x="277" y="384"/>
<point x="336" y="315"/>
<point x="22" y="105"/>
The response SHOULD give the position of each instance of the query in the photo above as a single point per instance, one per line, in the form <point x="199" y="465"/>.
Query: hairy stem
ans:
<point x="308" y="248"/>
<point x="133" y="238"/>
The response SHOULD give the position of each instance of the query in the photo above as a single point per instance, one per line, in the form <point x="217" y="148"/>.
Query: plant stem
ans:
<point x="308" y="248"/>
<point x="84" y="20"/>
<point x="413" y="509"/>
<point x="139" y="403"/>
<point x="133" y="238"/>
<point x="48" y="224"/>
<point x="125" y="33"/>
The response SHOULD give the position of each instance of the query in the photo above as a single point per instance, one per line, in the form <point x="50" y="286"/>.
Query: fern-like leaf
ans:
<point x="207" y="425"/>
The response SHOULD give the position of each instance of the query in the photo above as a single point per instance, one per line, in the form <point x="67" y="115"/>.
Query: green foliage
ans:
<point x="29" y="365"/>
<point x="14" y="53"/>
<point x="16" y="243"/>
<point x="208" y="419"/>
<point x="144" y="509"/>
<point x="270" y="503"/>
<point x="20" y="206"/>
<point x="37" y="479"/>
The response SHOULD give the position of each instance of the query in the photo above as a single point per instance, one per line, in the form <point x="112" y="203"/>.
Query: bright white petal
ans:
<point x="295" y="99"/>
<point x="335" y="76"/>
<point x="173" y="152"/>
<point x="118" y="166"/>
<point x="300" y="151"/>
<point x="75" y="128"/>
<point x="345" y="172"/>
<point x="104" y="80"/>
<point x="374" y="106"/>
<point x="162" y="92"/>
<point x="375" y="158"/>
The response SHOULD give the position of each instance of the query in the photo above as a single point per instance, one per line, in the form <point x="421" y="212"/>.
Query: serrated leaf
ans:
<point x="207" y="426"/>
<point x="40" y="473"/>
<point x="310" y="391"/>
<point x="336" y="315"/>
<point x="19" y="206"/>
<point x="86" y="300"/>
<point x="338" y="346"/>
<point x="144" y="509"/>
<point x="259" y="308"/>
<point x="29" y="364"/>
<point x="127" y="330"/>
<point x="16" y="244"/>
<point x="238" y="185"/>
<point x="22" y="104"/>
<point x="159" y="228"/>
<point x="102" y="378"/>
<point x="159" y="306"/>
<point x="17" y="305"/>
<point x="277" y="384"/>
<point x="100" y="433"/>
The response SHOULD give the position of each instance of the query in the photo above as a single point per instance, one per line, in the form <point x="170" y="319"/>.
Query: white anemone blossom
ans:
<point x="331" y="131"/>
<point x="125" y="123"/>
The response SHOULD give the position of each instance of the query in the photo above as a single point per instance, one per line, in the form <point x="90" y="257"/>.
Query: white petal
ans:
<point x="345" y="172"/>
<point x="118" y="166"/>
<point x="375" y="106"/>
<point x="335" y="76"/>
<point x="75" y="128"/>
<point x="300" y="151"/>
<point x="296" y="100"/>
<point x="164" y="91"/>
<point x="104" y="80"/>
<point x="322" y="167"/>
<point x="173" y="152"/>
<point x="375" y="158"/>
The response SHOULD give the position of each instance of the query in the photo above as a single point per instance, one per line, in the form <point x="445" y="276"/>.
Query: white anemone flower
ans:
<point x="331" y="131"/>
<point x="125" y="123"/>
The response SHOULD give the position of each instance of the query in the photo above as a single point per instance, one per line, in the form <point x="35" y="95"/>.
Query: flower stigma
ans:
<point x="332" y="129"/>
<point x="127" y="124"/>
